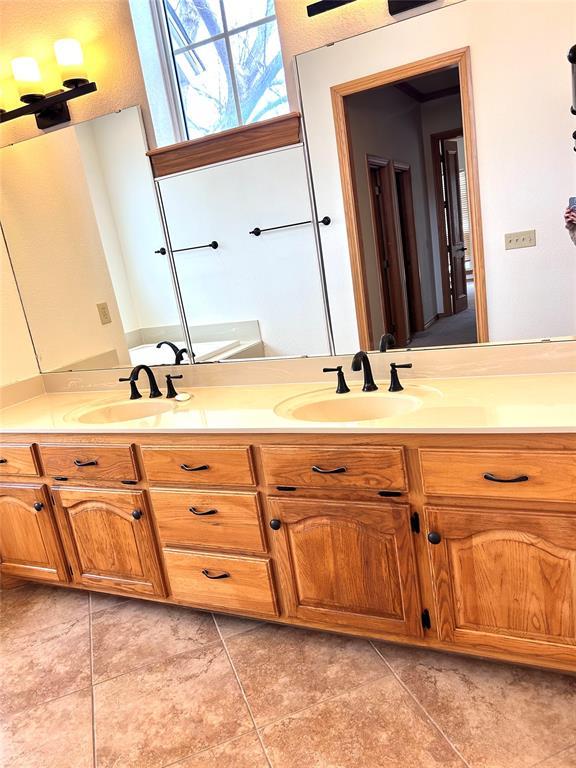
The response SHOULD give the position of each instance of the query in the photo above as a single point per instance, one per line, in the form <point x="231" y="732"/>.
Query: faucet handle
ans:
<point x="134" y="393"/>
<point x="342" y="387"/>
<point x="395" y="385"/>
<point x="170" y="391"/>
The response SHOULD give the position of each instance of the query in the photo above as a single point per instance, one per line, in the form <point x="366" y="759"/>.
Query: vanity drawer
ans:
<point x="245" y="583"/>
<point x="17" y="460"/>
<point x="89" y="462"/>
<point x="535" y="475"/>
<point x="205" y="519"/>
<point x="315" y="466"/>
<point x="199" y="465"/>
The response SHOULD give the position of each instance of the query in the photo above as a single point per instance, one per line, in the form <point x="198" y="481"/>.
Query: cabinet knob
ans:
<point x="434" y="537"/>
<point x="38" y="506"/>
<point x="275" y="524"/>
<point x="137" y="514"/>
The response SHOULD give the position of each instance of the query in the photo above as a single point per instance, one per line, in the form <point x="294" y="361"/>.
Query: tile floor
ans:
<point x="90" y="681"/>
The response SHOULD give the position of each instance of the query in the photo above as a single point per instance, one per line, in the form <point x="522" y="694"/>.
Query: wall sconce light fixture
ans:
<point x="325" y="5"/>
<point x="51" y="108"/>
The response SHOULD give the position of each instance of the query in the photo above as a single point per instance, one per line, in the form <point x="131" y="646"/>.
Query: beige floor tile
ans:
<point x="375" y="726"/>
<point x="234" y="625"/>
<point x="498" y="715"/>
<point x="31" y="608"/>
<point x="53" y="735"/>
<point x="44" y="665"/>
<point x="167" y="711"/>
<point x="245" y="752"/>
<point x="284" y="669"/>
<point x="135" y="633"/>
<point x="99" y="601"/>
<point x="565" y="759"/>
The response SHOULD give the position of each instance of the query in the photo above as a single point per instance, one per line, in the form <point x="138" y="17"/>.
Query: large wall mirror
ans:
<point x="115" y="269"/>
<point x="425" y="208"/>
<point x="444" y="154"/>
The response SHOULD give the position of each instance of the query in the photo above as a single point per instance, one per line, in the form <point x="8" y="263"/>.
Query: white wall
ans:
<point x="17" y="358"/>
<point x="274" y="278"/>
<point x="141" y="278"/>
<point x="438" y="115"/>
<point x="524" y="145"/>
<point x="55" y="246"/>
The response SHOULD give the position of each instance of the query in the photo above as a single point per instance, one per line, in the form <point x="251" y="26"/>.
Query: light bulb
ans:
<point x="71" y="61"/>
<point x="27" y="75"/>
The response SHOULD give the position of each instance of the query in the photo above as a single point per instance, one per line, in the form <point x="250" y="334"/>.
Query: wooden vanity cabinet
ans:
<point x="109" y="540"/>
<point x="29" y="544"/>
<point x="505" y="580"/>
<point x="465" y="543"/>
<point x="348" y="564"/>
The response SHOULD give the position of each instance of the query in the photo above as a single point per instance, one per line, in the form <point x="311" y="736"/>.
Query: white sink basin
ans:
<point x="364" y="406"/>
<point x="130" y="411"/>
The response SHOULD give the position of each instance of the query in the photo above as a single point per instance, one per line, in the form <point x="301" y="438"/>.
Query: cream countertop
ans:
<point x="491" y="404"/>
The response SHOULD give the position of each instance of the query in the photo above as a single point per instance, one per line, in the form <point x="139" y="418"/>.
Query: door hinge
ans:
<point x="378" y="189"/>
<point x="385" y="264"/>
<point x="426" y="623"/>
<point x="415" y="522"/>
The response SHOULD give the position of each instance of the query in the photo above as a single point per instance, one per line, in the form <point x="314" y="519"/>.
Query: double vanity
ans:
<point x="443" y="515"/>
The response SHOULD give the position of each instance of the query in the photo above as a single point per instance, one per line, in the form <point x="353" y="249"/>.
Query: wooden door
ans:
<point x="388" y="229"/>
<point x="109" y="541"/>
<point x="29" y="545"/>
<point x="505" y="580"/>
<point x="348" y="564"/>
<point x="456" y="248"/>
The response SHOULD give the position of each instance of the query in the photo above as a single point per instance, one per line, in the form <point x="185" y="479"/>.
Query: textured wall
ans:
<point x="104" y="27"/>
<point x="299" y="33"/>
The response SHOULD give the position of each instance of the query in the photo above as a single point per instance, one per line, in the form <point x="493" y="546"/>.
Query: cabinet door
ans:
<point x="109" y="540"/>
<point x="348" y="564"/>
<point x="29" y="546"/>
<point x="505" y="580"/>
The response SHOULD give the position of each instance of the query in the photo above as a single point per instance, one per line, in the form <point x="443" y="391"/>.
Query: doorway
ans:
<point x="408" y="167"/>
<point x="396" y="248"/>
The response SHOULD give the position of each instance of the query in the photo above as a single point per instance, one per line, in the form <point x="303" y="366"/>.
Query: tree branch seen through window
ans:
<point x="227" y="61"/>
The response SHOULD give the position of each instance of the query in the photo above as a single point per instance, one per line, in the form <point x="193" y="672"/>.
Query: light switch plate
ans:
<point x="104" y="313"/>
<point x="526" y="239"/>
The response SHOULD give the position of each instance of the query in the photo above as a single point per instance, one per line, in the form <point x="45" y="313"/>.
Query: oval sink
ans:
<point x="349" y="407"/>
<point x="130" y="411"/>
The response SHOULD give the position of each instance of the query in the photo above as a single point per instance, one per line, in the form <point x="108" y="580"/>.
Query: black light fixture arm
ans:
<point x="51" y="109"/>
<point x="257" y="231"/>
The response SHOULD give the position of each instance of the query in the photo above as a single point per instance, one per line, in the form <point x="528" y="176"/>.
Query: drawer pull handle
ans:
<point x="336" y="471"/>
<point x="137" y="514"/>
<point x="223" y="575"/>
<point x="202" y="514"/>
<point x="494" y="479"/>
<point x="434" y="537"/>
<point x="91" y="463"/>
<point x="38" y="506"/>
<point x="275" y="524"/>
<point x="188" y="468"/>
<point x="3" y="461"/>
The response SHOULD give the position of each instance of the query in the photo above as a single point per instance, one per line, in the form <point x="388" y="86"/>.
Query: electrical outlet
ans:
<point x="525" y="239"/>
<point x="104" y="313"/>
